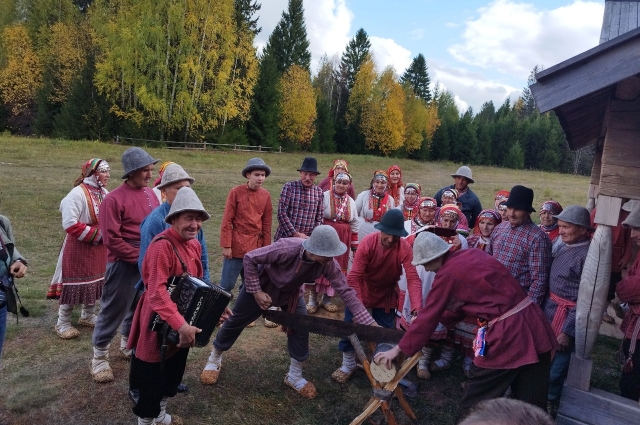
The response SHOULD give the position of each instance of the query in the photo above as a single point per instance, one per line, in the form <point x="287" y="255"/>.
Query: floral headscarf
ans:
<point x="492" y="215"/>
<point x="501" y="196"/>
<point x="337" y="163"/>
<point x="161" y="172"/>
<point x="91" y="168"/>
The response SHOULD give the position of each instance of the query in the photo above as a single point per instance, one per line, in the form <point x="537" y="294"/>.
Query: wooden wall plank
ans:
<point x="614" y="28"/>
<point x="633" y="15"/>
<point x="624" y="18"/>
<point x="606" y="23"/>
<point x="597" y="407"/>
<point x="608" y="211"/>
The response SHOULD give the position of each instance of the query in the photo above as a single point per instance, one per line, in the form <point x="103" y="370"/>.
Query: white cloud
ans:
<point x="417" y="34"/>
<point x="387" y="52"/>
<point x="512" y="37"/>
<point x="470" y="88"/>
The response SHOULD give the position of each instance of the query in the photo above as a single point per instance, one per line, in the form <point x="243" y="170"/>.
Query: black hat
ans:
<point x="392" y="223"/>
<point x="310" y="165"/>
<point x="521" y="198"/>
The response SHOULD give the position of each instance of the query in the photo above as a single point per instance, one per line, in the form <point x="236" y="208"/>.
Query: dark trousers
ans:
<point x="630" y="382"/>
<point x="528" y="383"/>
<point x="247" y="310"/>
<point x="155" y="384"/>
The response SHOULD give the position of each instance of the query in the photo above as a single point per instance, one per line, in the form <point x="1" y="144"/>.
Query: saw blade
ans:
<point x="335" y="328"/>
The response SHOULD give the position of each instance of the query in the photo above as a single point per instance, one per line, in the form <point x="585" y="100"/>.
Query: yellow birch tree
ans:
<point x="21" y="78"/>
<point x="420" y="120"/>
<point x="297" y="107"/>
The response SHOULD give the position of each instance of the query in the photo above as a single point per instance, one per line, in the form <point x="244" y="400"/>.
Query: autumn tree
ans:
<point x="417" y="77"/>
<point x="382" y="114"/>
<point x="288" y="43"/>
<point x="170" y="63"/>
<point x="297" y="108"/>
<point x="354" y="56"/>
<point x="21" y="78"/>
<point x="421" y="121"/>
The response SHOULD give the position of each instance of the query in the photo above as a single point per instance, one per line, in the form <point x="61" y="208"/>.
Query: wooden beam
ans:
<point x="597" y="407"/>
<point x="579" y="375"/>
<point x="608" y="210"/>
<point x="628" y="89"/>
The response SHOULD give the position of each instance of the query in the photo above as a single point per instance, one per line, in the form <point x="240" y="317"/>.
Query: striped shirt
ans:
<point x="525" y="251"/>
<point x="300" y="209"/>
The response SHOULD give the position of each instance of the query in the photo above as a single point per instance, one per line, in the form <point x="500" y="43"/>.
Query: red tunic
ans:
<point x="160" y="262"/>
<point x="628" y="290"/>
<point x="376" y="270"/>
<point x="471" y="282"/>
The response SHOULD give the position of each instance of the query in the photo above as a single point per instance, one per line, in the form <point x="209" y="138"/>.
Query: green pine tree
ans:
<point x="354" y="55"/>
<point x="325" y="128"/>
<point x="262" y="127"/>
<point x="514" y="157"/>
<point x="288" y="43"/>
<point x="417" y="77"/>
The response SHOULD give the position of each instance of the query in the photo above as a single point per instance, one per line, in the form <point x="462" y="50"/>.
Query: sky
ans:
<point x="478" y="49"/>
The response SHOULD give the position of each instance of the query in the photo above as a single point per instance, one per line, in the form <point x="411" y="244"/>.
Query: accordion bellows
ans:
<point x="200" y="303"/>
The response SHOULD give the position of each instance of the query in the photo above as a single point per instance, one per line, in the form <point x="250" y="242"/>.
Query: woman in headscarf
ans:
<point x="465" y="331"/>
<point x="501" y="196"/>
<point x="450" y="197"/>
<point x="411" y="201"/>
<point x="396" y="187"/>
<point x="485" y="223"/>
<point x="339" y="166"/>
<point x="549" y="223"/>
<point x="373" y="203"/>
<point x="339" y="213"/>
<point x="79" y="274"/>
<point x="427" y="209"/>
<point x="157" y="182"/>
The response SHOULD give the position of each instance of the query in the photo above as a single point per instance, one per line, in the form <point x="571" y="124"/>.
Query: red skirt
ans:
<point x="80" y="272"/>
<point x="344" y="234"/>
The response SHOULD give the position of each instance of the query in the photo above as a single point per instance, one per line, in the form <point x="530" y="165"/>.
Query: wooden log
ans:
<point x="597" y="407"/>
<point x="592" y="294"/>
<point x="579" y="375"/>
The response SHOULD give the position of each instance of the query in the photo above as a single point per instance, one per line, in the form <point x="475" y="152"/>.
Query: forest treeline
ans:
<point x="189" y="71"/>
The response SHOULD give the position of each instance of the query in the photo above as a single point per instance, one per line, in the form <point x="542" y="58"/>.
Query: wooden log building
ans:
<point x="596" y="96"/>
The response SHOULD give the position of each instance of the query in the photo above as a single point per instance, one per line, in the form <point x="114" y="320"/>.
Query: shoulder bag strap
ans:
<point x="184" y="266"/>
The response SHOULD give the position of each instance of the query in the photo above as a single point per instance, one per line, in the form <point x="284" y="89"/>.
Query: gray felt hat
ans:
<point x="634" y="218"/>
<point x="575" y="214"/>
<point x="324" y="241"/>
<point x="630" y="205"/>
<point x="427" y="247"/>
<point x="392" y="223"/>
<point x="256" y="164"/>
<point x="134" y="159"/>
<point x="464" y="171"/>
<point x="172" y="174"/>
<point x="186" y="200"/>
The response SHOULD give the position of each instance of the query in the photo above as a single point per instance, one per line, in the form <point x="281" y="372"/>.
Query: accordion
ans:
<point x="200" y="303"/>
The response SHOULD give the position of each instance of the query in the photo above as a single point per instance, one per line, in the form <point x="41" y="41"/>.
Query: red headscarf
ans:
<point x="337" y="162"/>
<point x="394" y="189"/>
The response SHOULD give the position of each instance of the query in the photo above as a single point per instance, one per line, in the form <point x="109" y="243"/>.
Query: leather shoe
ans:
<point x="182" y="388"/>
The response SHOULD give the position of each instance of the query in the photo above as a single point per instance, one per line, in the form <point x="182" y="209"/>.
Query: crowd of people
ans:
<point x="488" y="284"/>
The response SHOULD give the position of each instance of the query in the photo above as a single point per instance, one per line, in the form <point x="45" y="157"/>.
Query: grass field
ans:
<point x="46" y="380"/>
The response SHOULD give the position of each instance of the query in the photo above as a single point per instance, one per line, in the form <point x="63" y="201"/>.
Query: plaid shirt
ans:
<point x="300" y="209"/>
<point x="526" y="252"/>
<point x="564" y="281"/>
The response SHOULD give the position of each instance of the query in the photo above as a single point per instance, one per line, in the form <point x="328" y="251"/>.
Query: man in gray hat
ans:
<point x="173" y="179"/>
<point x="120" y="215"/>
<point x="376" y="269"/>
<point x="471" y="206"/>
<point x="273" y="277"/>
<point x="560" y="303"/>
<point x="516" y="341"/>
<point x="246" y="222"/>
<point x="157" y="374"/>
<point x="628" y="291"/>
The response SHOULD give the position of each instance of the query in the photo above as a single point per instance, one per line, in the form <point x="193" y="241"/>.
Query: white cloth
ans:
<point x="353" y="219"/>
<point x="365" y="213"/>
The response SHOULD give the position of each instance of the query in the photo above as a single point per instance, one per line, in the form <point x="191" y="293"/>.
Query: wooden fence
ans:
<point x="170" y="144"/>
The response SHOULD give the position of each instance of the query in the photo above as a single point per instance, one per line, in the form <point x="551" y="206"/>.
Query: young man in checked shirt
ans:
<point x="521" y="246"/>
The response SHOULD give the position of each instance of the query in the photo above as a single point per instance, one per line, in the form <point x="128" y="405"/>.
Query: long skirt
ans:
<point x="79" y="274"/>
<point x="323" y="286"/>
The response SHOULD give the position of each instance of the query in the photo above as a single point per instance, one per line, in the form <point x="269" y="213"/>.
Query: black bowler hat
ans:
<point x="392" y="223"/>
<point x="521" y="198"/>
<point x="310" y="165"/>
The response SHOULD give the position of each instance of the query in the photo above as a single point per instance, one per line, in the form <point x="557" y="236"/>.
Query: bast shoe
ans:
<point x="308" y="391"/>
<point x="341" y="376"/>
<point x="269" y="324"/>
<point x="68" y="333"/>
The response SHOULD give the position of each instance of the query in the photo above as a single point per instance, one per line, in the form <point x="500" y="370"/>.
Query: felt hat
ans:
<point x="186" y="200"/>
<point x="310" y="164"/>
<point x="521" y="198"/>
<point x="634" y="218"/>
<point x="392" y="223"/>
<point x="324" y="241"/>
<point x="256" y="164"/>
<point x="630" y="205"/>
<point x="464" y="171"/>
<point x="427" y="247"/>
<point x="172" y="174"/>
<point x="134" y="159"/>
<point x="575" y="214"/>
